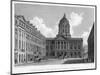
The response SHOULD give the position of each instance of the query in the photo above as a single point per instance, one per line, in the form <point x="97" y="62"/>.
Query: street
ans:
<point x="49" y="62"/>
<point x="48" y="65"/>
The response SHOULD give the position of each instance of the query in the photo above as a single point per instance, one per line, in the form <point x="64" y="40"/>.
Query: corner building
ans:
<point x="63" y="45"/>
<point x="91" y="45"/>
<point x="29" y="42"/>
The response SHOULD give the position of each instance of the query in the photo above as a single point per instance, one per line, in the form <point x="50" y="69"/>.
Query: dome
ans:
<point x="64" y="19"/>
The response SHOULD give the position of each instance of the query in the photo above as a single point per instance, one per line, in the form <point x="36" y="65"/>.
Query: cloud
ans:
<point x="85" y="37"/>
<point x="42" y="27"/>
<point x="75" y="20"/>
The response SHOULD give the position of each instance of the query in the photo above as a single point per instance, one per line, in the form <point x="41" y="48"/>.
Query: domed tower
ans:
<point x="64" y="27"/>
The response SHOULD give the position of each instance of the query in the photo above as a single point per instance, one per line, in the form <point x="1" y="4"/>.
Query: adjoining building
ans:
<point x="63" y="45"/>
<point x="29" y="42"/>
<point x="91" y="45"/>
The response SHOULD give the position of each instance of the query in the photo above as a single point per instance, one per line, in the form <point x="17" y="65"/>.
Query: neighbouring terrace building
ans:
<point x="91" y="45"/>
<point x="29" y="42"/>
<point x="63" y="45"/>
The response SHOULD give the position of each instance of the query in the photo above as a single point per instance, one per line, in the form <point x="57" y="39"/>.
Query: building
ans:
<point x="91" y="45"/>
<point x="29" y="42"/>
<point x="85" y="51"/>
<point x="63" y="45"/>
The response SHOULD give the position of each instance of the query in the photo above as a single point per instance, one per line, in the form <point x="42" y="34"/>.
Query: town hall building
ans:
<point x="63" y="45"/>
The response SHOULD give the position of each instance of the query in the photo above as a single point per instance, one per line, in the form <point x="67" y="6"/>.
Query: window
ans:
<point x="19" y="58"/>
<point x="16" y="58"/>
<point x="19" y="32"/>
<point x="16" y="43"/>
<point x="58" y="44"/>
<point x="79" y="47"/>
<point x="64" y="45"/>
<point x="22" y="44"/>
<point x="79" y="53"/>
<point x="71" y="54"/>
<point x="15" y="22"/>
<point x="26" y="46"/>
<point x="16" y="31"/>
<point x="75" y="47"/>
<point x="19" y="44"/>
<point x="24" y="58"/>
<point x="61" y="46"/>
<point x="63" y="30"/>
<point x="19" y="23"/>
<point x="47" y="47"/>
<point x="39" y="53"/>
<point x="61" y="42"/>
<point x="71" y="46"/>
<point x="22" y="33"/>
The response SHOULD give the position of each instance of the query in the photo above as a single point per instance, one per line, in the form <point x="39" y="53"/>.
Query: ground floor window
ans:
<point x="16" y="58"/>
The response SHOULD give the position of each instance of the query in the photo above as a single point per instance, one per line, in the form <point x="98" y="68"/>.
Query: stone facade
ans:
<point x="63" y="45"/>
<point x="29" y="42"/>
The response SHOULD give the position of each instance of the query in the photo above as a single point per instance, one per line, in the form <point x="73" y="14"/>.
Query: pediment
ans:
<point x="60" y="38"/>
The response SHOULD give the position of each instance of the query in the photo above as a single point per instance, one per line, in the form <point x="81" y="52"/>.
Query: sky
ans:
<point x="46" y="18"/>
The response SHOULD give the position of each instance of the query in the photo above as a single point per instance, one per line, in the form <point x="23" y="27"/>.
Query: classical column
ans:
<point x="57" y="44"/>
<point x="68" y="45"/>
<point x="63" y="45"/>
<point x="55" y="53"/>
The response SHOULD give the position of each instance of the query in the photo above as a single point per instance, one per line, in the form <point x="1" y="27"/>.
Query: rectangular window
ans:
<point x="64" y="45"/>
<point x="19" y="44"/>
<point x="16" y="31"/>
<point x="15" y="22"/>
<point x="71" y="46"/>
<point x="16" y="58"/>
<point x="19" y="58"/>
<point x="78" y="46"/>
<point x="75" y="47"/>
<point x="16" y="43"/>
<point x="26" y="45"/>
<point x="19" y="32"/>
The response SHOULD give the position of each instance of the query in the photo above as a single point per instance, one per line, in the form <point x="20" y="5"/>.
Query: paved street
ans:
<point x="45" y="62"/>
<point x="52" y="64"/>
<point x="49" y="62"/>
